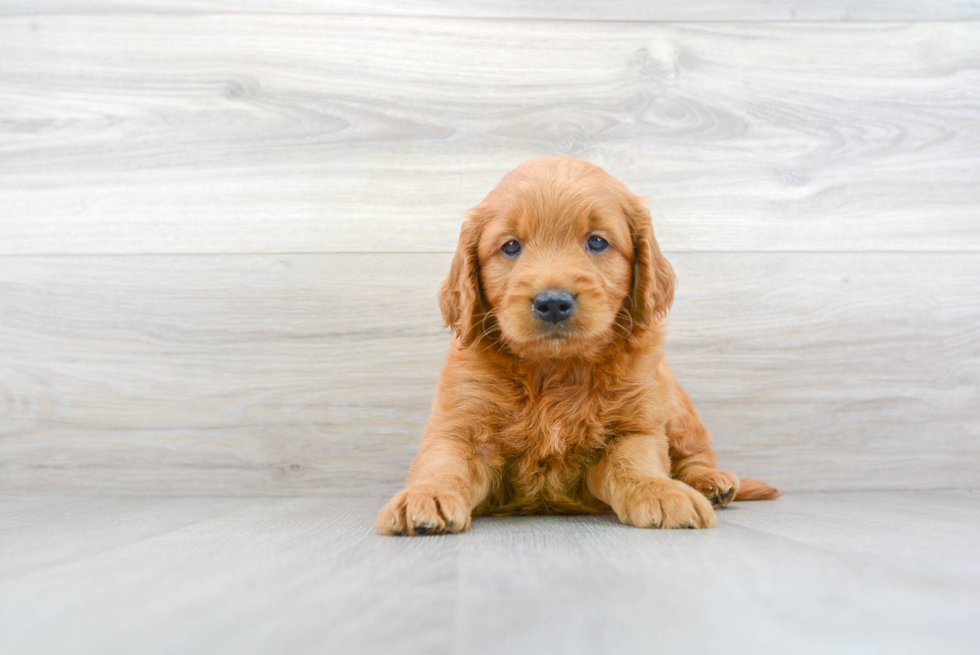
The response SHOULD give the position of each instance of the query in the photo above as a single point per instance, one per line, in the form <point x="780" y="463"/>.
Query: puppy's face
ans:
<point x="556" y="262"/>
<point x="555" y="270"/>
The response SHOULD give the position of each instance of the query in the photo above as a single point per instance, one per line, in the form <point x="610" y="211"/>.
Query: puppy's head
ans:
<point x="558" y="261"/>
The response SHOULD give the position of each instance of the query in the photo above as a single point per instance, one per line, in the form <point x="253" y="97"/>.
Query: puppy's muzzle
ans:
<point x="553" y="305"/>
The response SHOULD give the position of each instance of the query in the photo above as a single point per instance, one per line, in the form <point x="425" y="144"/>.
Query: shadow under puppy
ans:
<point x="555" y="396"/>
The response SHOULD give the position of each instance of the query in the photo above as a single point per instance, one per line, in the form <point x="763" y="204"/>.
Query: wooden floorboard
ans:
<point x="314" y="373"/>
<point x="601" y="10"/>
<point x="285" y="133"/>
<point x="808" y="573"/>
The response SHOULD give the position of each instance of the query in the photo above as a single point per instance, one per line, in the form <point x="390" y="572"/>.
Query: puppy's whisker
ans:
<point x="627" y="327"/>
<point x="486" y="331"/>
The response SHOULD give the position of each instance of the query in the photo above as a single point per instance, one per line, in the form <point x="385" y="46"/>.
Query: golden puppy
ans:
<point x="555" y="396"/>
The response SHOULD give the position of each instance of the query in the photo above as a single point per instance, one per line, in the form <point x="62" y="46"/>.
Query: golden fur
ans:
<point x="577" y="416"/>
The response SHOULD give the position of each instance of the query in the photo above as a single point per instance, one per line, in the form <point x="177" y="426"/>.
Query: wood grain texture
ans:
<point x="313" y="374"/>
<point x="808" y="573"/>
<point x="279" y="133"/>
<point x="602" y="10"/>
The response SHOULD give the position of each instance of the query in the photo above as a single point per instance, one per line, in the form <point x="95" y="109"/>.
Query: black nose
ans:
<point x="553" y="305"/>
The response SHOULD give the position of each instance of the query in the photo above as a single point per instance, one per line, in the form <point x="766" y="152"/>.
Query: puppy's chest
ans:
<point x="553" y="437"/>
<point x="546" y="439"/>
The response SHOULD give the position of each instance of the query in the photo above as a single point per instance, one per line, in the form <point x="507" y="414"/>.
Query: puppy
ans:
<point x="555" y="396"/>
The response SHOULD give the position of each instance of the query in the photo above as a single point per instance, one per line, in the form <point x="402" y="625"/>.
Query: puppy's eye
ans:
<point x="596" y="243"/>
<point x="511" y="248"/>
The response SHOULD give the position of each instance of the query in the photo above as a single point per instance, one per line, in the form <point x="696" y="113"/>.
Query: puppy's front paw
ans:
<point x="717" y="486"/>
<point x="665" y="503"/>
<point x="423" y="509"/>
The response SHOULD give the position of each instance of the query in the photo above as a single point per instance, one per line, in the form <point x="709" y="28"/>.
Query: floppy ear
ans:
<point x="460" y="297"/>
<point x="652" y="291"/>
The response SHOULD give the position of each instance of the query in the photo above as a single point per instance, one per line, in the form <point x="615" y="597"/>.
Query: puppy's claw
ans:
<point x="712" y="495"/>
<point x="421" y="510"/>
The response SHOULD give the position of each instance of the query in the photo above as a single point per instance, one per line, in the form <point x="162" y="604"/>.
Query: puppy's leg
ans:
<point x="698" y="469"/>
<point x="633" y="477"/>
<point x="691" y="458"/>
<point x="446" y="481"/>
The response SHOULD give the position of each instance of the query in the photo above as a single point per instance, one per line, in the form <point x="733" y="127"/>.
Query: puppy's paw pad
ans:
<point x="423" y="510"/>
<point x="718" y="487"/>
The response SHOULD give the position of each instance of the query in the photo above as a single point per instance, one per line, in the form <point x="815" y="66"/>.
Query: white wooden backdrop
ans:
<point x="221" y="231"/>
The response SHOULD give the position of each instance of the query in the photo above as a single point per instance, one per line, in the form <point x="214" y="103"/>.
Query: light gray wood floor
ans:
<point x="868" y="572"/>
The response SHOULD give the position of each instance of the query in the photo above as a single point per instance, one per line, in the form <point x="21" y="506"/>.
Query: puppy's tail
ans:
<point x="755" y="490"/>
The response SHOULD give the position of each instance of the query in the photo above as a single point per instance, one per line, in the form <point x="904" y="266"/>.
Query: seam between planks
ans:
<point x="316" y="253"/>
<point x="507" y="19"/>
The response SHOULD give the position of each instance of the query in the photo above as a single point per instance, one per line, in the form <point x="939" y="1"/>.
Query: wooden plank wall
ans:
<point x="221" y="231"/>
